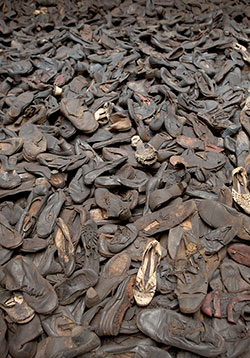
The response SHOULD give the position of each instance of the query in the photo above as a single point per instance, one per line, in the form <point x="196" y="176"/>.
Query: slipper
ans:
<point x="145" y="285"/>
<point x="240" y="192"/>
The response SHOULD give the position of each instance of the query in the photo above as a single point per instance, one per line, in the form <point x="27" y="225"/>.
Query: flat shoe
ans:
<point x="76" y="285"/>
<point x="11" y="145"/>
<point x="172" y="328"/>
<point x="16" y="307"/>
<point x="165" y="218"/>
<point x="22" y="275"/>
<point x="145" y="284"/>
<point x="108" y="321"/>
<point x="123" y="237"/>
<point x="114" y="272"/>
<point x="78" y="115"/>
<point x="46" y="220"/>
<point x="190" y="269"/>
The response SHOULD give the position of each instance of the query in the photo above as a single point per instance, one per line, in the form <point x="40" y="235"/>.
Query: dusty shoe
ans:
<point x="240" y="192"/>
<point x="108" y="321"/>
<point x="124" y="236"/>
<point x="34" y="142"/>
<point x="78" y="114"/>
<point x="16" y="307"/>
<point x="172" y="328"/>
<point x="192" y="281"/>
<point x="76" y="285"/>
<point x="79" y="342"/>
<point x="114" y="272"/>
<point x="145" y="285"/>
<point x="145" y="153"/>
<point x="3" y="341"/>
<point x="65" y="247"/>
<point x="22" y="275"/>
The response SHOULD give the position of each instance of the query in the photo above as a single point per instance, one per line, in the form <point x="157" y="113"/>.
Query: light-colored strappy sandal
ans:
<point x="240" y="192"/>
<point x="145" y="285"/>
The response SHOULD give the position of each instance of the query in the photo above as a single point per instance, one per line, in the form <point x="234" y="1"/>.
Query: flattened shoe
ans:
<point x="34" y="142"/>
<point x="190" y="269"/>
<point x="114" y="272"/>
<point x="11" y="145"/>
<point x="35" y="203"/>
<point x="22" y="275"/>
<point x="16" y="307"/>
<point x="79" y="342"/>
<point x="145" y="284"/>
<point x="76" y="285"/>
<point x="78" y="115"/>
<point x="65" y="247"/>
<point x="9" y="237"/>
<point x="46" y="220"/>
<point x="165" y="218"/>
<point x="124" y="236"/>
<point x="108" y="321"/>
<point x="172" y="328"/>
<point x="162" y="196"/>
<point x="112" y="204"/>
<point x="23" y="338"/>
<point x="217" y="215"/>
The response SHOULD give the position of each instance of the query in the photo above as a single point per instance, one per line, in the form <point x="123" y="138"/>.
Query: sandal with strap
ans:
<point x="240" y="192"/>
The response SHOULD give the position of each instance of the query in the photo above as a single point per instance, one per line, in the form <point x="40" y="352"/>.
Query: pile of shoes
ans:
<point x="124" y="179"/>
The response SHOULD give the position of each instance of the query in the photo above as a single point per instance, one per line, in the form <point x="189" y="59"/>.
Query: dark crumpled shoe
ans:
<point x="79" y="342"/>
<point x="34" y="141"/>
<point x="15" y="306"/>
<point x="3" y="341"/>
<point x="172" y="328"/>
<point x="108" y="321"/>
<point x="240" y="253"/>
<point x="22" y="275"/>
<point x="165" y="218"/>
<point x="112" y="204"/>
<point x="114" y="272"/>
<point x="190" y="269"/>
<point x="9" y="237"/>
<point x="76" y="285"/>
<point x="124" y="236"/>
<point x="22" y="338"/>
<point x="78" y="115"/>
<point x="46" y="220"/>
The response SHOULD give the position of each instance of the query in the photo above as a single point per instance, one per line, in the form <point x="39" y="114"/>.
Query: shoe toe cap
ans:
<point x="148" y="322"/>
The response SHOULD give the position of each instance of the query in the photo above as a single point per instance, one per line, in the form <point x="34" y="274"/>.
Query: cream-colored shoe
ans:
<point x="145" y="284"/>
<point x="240" y="192"/>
